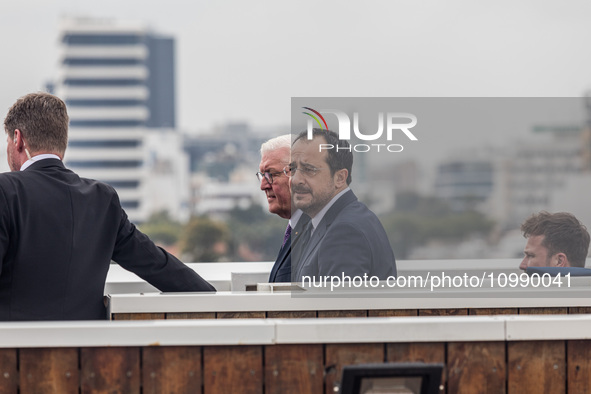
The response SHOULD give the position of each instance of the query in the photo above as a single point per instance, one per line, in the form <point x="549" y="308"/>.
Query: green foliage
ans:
<point x="205" y="240"/>
<point x="255" y="234"/>
<point x="419" y="220"/>
<point x="162" y="229"/>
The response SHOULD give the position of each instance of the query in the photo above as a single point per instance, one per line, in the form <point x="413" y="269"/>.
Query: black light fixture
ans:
<point x="391" y="378"/>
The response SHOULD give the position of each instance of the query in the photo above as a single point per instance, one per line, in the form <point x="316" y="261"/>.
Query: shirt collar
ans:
<point x="295" y="218"/>
<point x="35" y="158"/>
<point x="316" y="219"/>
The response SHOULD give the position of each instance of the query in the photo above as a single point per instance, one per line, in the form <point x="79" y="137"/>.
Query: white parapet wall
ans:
<point x="234" y="275"/>
<point x="294" y="331"/>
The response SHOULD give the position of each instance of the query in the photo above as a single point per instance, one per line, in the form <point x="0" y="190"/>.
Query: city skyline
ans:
<point x="244" y="62"/>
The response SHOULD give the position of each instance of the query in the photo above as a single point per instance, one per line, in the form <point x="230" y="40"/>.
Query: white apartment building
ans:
<point x="117" y="79"/>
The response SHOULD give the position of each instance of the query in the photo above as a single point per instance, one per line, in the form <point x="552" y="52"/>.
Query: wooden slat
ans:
<point x="579" y="309"/>
<point x="476" y="367"/>
<point x="493" y="311"/>
<point x="579" y="366"/>
<point x="339" y="355"/>
<point x="108" y="370"/>
<point x="544" y="311"/>
<point x="392" y="312"/>
<point x="418" y="352"/>
<point x="427" y="352"/>
<point x="233" y="369"/>
<point x="293" y="369"/>
<point x="137" y="316"/>
<point x="191" y="315"/>
<point x="49" y="370"/>
<point x="173" y="369"/>
<point x="536" y="367"/>
<point x="359" y="313"/>
<point x="443" y="312"/>
<point x="290" y="314"/>
<point x="240" y="315"/>
<point x="8" y="371"/>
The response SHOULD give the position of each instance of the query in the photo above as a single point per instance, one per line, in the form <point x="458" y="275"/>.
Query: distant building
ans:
<point x="536" y="172"/>
<point x="216" y="199"/>
<point x="228" y="147"/>
<point x="117" y="79"/>
<point x="509" y="184"/>
<point x="167" y="187"/>
<point x="464" y="183"/>
<point x="223" y="166"/>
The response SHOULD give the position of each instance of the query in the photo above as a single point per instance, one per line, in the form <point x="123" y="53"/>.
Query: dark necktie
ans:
<point x="305" y="235"/>
<point x="287" y="234"/>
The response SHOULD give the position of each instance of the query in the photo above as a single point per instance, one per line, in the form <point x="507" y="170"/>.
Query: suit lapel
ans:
<point x="281" y="257"/>
<point x="285" y="251"/>
<point x="324" y="225"/>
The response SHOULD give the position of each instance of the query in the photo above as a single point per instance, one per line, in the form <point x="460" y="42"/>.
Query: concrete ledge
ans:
<point x="136" y="333"/>
<point x="293" y="331"/>
<point x="360" y="300"/>
<point x="548" y="327"/>
<point x="399" y="329"/>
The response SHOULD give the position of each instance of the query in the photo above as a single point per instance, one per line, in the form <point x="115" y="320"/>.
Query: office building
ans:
<point x="117" y="79"/>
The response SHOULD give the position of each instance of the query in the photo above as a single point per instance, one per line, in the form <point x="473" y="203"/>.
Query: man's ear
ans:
<point x="16" y="136"/>
<point x="340" y="178"/>
<point x="562" y="260"/>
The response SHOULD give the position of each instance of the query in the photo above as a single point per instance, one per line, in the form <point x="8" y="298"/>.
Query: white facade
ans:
<point x="167" y="184"/>
<point x="104" y="78"/>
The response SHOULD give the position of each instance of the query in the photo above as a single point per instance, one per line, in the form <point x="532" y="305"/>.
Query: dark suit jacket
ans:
<point x="349" y="240"/>
<point x="281" y="271"/>
<point x="58" y="235"/>
<point x="556" y="271"/>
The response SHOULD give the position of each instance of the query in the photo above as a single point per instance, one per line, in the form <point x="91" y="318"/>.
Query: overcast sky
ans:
<point x="243" y="60"/>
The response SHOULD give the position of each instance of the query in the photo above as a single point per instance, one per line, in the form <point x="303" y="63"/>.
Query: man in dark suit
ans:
<point x="275" y="155"/>
<point x="345" y="238"/>
<point x="59" y="232"/>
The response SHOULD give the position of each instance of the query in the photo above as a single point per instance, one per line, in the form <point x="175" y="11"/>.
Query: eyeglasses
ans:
<point x="268" y="176"/>
<point x="307" y="171"/>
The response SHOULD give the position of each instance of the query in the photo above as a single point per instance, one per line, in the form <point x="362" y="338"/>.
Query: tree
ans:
<point x="418" y="220"/>
<point x="162" y="229"/>
<point x="205" y="240"/>
<point x="256" y="235"/>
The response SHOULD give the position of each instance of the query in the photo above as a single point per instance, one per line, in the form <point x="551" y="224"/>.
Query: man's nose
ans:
<point x="297" y="177"/>
<point x="523" y="264"/>
<point x="265" y="184"/>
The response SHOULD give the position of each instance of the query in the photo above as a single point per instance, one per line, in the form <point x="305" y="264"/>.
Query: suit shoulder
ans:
<point x="352" y="212"/>
<point x="102" y="190"/>
<point x="99" y="185"/>
<point x="10" y="178"/>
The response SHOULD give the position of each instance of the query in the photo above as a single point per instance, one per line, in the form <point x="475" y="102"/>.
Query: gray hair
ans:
<point x="283" y="141"/>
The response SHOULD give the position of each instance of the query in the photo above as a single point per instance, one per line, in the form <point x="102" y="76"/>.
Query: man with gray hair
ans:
<point x="275" y="155"/>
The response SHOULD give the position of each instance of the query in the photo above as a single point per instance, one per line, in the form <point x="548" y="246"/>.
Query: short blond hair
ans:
<point x="43" y="120"/>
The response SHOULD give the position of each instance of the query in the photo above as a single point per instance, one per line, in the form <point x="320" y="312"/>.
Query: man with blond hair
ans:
<point x="59" y="232"/>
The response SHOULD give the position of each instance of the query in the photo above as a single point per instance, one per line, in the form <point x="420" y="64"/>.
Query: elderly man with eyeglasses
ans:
<point x="344" y="238"/>
<point x="275" y="155"/>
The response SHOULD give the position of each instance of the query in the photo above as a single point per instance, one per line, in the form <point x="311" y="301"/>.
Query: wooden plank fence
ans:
<point x="557" y="366"/>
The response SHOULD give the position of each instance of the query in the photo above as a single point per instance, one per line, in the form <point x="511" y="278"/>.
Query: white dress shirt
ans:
<point x="35" y="158"/>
